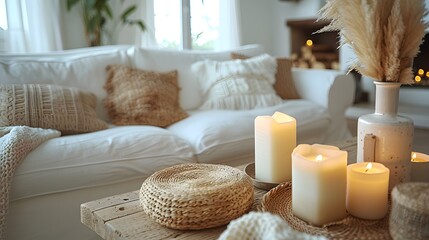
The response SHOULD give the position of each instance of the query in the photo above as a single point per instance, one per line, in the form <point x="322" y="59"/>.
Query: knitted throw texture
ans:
<point x="15" y="144"/>
<point x="263" y="225"/>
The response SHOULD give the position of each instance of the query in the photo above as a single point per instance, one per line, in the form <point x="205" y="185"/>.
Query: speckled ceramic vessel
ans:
<point x="393" y="134"/>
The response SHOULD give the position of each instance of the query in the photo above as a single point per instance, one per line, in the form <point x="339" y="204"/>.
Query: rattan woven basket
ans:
<point x="279" y="201"/>
<point x="196" y="196"/>
<point x="409" y="218"/>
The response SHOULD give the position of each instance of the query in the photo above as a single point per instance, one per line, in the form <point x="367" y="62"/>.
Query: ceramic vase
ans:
<point x="386" y="137"/>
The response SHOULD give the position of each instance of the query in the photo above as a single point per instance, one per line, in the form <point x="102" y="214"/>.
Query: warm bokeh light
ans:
<point x="309" y="42"/>
<point x="420" y="71"/>
<point x="427" y="74"/>
<point x="417" y="78"/>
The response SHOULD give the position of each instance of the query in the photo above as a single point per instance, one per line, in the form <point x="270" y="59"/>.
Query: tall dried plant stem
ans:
<point x="384" y="34"/>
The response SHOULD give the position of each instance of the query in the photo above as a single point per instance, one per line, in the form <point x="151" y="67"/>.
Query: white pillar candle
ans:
<point x="419" y="167"/>
<point x="275" y="139"/>
<point x="319" y="183"/>
<point x="367" y="190"/>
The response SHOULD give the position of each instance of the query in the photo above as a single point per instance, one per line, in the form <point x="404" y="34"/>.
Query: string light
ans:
<point x="421" y="72"/>
<point x="309" y="42"/>
<point x="417" y="78"/>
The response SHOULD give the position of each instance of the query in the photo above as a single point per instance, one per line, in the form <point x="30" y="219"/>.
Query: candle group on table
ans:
<point x="319" y="183"/>
<point x="367" y="190"/>
<point x="275" y="139"/>
<point x="324" y="188"/>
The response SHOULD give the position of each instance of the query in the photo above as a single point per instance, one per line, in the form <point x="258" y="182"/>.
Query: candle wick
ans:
<point x="366" y="170"/>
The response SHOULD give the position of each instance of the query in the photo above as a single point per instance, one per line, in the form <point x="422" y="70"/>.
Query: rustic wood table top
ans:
<point x="121" y="216"/>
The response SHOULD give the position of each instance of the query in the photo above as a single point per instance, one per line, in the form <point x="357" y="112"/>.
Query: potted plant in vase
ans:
<point x="95" y="15"/>
<point x="385" y="35"/>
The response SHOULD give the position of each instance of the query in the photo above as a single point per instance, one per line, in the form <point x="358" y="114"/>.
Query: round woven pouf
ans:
<point x="196" y="196"/>
<point x="409" y="218"/>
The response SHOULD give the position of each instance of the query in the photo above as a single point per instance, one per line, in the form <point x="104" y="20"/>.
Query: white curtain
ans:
<point x="34" y="26"/>
<point x="229" y="25"/>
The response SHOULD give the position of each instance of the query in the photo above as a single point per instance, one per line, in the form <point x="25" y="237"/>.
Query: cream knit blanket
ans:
<point x="15" y="144"/>
<point x="263" y="225"/>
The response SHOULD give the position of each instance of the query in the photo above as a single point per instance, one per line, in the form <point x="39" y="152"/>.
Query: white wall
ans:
<point x="264" y="22"/>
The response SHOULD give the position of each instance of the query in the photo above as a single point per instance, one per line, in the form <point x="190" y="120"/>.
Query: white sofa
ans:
<point x="64" y="172"/>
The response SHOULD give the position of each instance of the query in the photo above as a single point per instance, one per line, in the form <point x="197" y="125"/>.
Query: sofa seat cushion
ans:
<point x="100" y="158"/>
<point x="218" y="136"/>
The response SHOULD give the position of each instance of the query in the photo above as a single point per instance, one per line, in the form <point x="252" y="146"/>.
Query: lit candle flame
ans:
<point x="319" y="158"/>
<point x="413" y="156"/>
<point x="368" y="167"/>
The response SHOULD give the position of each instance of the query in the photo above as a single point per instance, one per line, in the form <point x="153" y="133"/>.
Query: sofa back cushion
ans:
<point x="237" y="84"/>
<point x="284" y="85"/>
<point x="49" y="106"/>
<point x="168" y="60"/>
<point x="138" y="97"/>
<point x="80" y="68"/>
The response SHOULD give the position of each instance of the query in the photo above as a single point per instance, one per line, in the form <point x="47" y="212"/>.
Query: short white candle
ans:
<point x="275" y="139"/>
<point x="319" y="183"/>
<point x="419" y="167"/>
<point x="367" y="190"/>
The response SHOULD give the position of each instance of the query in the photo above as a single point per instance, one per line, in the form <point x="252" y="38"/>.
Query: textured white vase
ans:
<point x="386" y="137"/>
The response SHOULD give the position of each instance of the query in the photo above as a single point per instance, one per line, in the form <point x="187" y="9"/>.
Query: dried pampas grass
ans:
<point x="384" y="34"/>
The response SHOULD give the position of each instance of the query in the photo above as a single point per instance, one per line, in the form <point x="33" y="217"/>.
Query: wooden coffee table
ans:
<point x="121" y="216"/>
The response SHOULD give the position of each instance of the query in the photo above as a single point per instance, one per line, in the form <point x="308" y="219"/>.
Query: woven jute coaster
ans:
<point x="279" y="201"/>
<point x="409" y="217"/>
<point x="196" y="196"/>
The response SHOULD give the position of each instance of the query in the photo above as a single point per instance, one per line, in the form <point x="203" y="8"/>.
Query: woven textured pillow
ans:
<point x="49" y="106"/>
<point x="139" y="97"/>
<point x="237" y="84"/>
<point x="284" y="85"/>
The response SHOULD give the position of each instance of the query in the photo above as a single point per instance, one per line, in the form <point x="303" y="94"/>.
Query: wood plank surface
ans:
<point x="122" y="217"/>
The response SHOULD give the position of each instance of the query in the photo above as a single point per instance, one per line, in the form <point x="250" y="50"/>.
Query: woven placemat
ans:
<point x="196" y="196"/>
<point x="279" y="201"/>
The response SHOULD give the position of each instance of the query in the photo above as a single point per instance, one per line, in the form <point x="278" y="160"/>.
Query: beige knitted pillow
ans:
<point x="49" y="106"/>
<point x="284" y="85"/>
<point x="138" y="97"/>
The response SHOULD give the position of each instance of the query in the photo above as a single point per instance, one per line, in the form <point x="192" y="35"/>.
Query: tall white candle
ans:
<point x="419" y="167"/>
<point x="319" y="183"/>
<point x="367" y="190"/>
<point x="275" y="139"/>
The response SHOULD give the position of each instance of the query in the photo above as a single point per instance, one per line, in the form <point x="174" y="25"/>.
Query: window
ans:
<point x="3" y="16"/>
<point x="3" y="24"/>
<point x="186" y="24"/>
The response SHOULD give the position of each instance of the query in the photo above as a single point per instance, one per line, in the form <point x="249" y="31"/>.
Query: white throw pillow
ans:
<point x="237" y="84"/>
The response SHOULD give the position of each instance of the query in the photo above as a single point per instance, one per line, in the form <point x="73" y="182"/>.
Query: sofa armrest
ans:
<point x="331" y="89"/>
